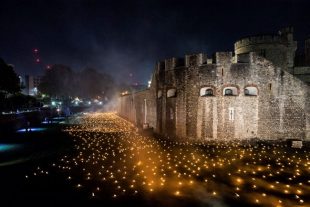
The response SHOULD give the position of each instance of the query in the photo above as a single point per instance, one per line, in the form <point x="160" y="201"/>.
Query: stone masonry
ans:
<point x="252" y="94"/>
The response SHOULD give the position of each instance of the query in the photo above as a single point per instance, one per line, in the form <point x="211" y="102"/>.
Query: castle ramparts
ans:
<point x="225" y="97"/>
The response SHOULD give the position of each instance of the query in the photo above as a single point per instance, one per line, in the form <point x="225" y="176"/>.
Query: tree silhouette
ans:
<point x="61" y="82"/>
<point x="93" y="83"/>
<point x="9" y="81"/>
<point x="58" y="81"/>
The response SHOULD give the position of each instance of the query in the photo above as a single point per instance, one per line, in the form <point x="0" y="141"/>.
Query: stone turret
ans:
<point x="278" y="48"/>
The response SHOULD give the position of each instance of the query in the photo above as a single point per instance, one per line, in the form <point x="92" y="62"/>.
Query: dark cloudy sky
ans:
<point x="123" y="37"/>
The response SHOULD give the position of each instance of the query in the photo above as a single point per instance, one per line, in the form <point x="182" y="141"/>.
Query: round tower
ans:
<point x="278" y="48"/>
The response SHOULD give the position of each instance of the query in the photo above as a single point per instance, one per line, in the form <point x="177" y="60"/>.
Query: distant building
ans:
<point x="31" y="84"/>
<point x="21" y="81"/>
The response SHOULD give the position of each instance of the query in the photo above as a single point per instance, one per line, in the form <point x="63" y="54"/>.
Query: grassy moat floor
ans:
<point x="100" y="160"/>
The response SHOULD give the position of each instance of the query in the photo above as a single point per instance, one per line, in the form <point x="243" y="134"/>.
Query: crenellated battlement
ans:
<point x="189" y="60"/>
<point x="160" y="65"/>
<point x="195" y="59"/>
<point x="223" y="58"/>
<point x="173" y="63"/>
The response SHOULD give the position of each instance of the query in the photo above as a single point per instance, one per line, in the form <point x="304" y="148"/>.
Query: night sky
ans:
<point x="123" y="37"/>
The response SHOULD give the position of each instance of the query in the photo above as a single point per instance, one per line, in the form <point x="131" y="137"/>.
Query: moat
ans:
<point x="104" y="161"/>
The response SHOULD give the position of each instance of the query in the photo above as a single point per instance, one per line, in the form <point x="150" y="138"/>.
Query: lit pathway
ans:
<point x="112" y="160"/>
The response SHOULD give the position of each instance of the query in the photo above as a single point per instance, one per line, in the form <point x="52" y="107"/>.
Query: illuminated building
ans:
<point x="31" y="84"/>
<point x="259" y="92"/>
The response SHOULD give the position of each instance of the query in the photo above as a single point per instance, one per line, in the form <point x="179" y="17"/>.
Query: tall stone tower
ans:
<point x="278" y="48"/>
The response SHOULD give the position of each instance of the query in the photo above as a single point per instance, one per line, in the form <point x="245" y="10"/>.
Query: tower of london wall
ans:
<point x="196" y="99"/>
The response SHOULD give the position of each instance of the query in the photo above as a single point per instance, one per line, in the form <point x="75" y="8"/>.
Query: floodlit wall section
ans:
<point x="263" y="101"/>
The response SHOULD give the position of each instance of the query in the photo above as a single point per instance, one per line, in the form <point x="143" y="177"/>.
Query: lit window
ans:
<point x="209" y="92"/>
<point x="206" y="91"/>
<point x="228" y="92"/>
<point x="250" y="91"/>
<point x="171" y="93"/>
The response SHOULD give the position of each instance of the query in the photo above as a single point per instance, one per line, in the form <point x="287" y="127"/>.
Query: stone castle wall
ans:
<point x="269" y="100"/>
<point x="279" y="110"/>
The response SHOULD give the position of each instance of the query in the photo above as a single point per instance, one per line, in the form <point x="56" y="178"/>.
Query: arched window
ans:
<point x="209" y="92"/>
<point x="171" y="93"/>
<point x="228" y="92"/>
<point x="206" y="91"/>
<point x="250" y="91"/>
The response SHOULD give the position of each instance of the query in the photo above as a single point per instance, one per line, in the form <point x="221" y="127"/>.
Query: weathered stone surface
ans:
<point x="278" y="107"/>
